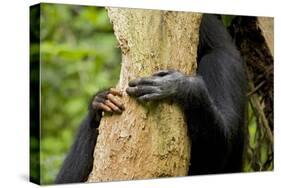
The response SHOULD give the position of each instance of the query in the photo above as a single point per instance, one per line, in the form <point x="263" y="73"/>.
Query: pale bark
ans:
<point x="150" y="140"/>
<point x="266" y="24"/>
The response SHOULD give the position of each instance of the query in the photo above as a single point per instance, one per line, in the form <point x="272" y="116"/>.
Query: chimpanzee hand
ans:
<point x="161" y="85"/>
<point x="105" y="101"/>
<point x="108" y="101"/>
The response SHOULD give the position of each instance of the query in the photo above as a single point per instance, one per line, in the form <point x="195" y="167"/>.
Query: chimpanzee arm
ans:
<point x="222" y="71"/>
<point x="79" y="162"/>
<point x="215" y="114"/>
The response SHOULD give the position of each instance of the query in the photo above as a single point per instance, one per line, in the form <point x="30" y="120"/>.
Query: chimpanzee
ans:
<point x="214" y="101"/>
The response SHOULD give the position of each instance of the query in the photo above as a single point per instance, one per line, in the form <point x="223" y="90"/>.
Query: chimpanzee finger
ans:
<point x="115" y="91"/>
<point x="100" y="99"/>
<point x="162" y="73"/>
<point x="149" y="97"/>
<point x="142" y="90"/>
<point x="116" y="101"/>
<point x="143" y="81"/>
<point x="101" y="106"/>
<point x="113" y="107"/>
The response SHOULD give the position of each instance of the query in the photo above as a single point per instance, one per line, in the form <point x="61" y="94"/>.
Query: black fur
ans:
<point x="214" y="102"/>
<point x="79" y="161"/>
<point x="216" y="122"/>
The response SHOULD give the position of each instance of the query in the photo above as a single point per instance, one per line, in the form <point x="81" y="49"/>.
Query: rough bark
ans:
<point x="150" y="140"/>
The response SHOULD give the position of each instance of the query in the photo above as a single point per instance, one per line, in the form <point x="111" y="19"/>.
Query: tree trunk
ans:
<point x="150" y="140"/>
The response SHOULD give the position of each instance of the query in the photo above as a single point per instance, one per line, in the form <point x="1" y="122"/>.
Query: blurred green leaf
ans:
<point x="78" y="57"/>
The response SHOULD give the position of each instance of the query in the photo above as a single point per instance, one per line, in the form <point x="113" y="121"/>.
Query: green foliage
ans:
<point x="227" y="19"/>
<point x="79" y="56"/>
<point x="258" y="151"/>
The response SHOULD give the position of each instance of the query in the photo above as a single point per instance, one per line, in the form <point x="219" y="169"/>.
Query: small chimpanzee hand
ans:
<point x="108" y="101"/>
<point x="105" y="101"/>
<point x="161" y="85"/>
